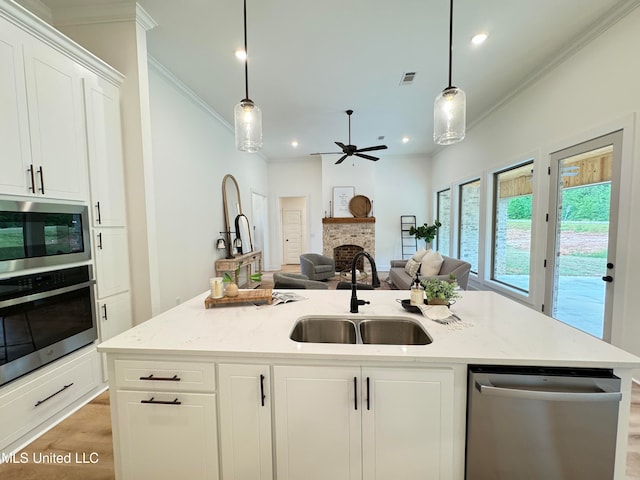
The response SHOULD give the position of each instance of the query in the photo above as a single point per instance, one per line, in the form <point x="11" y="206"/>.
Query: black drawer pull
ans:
<point x="368" y="395"/>
<point x="41" y="173"/>
<point x="99" y="219"/>
<point x="175" y="378"/>
<point x="262" y="395"/>
<point x="355" y="392"/>
<point x="40" y="402"/>
<point x="33" y="181"/>
<point x="161" y="402"/>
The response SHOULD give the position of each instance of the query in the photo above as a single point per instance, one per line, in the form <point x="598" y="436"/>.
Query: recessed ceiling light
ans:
<point x="241" y="55"/>
<point x="294" y="143"/>
<point x="405" y="139"/>
<point x="479" y="38"/>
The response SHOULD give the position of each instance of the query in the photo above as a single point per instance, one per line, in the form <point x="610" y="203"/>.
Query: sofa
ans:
<point x="401" y="280"/>
<point x="296" y="281"/>
<point x="317" y="267"/>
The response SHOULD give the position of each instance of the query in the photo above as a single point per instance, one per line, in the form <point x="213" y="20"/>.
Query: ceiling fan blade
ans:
<point x="370" y="149"/>
<point x="368" y="157"/>
<point x="341" y="160"/>
<point x="341" y="145"/>
<point x="326" y="153"/>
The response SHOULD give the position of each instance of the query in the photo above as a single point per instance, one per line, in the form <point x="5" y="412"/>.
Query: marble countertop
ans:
<point x="495" y="330"/>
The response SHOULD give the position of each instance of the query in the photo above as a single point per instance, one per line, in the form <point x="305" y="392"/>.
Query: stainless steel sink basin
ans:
<point x="393" y="331"/>
<point x="367" y="330"/>
<point x="324" y="330"/>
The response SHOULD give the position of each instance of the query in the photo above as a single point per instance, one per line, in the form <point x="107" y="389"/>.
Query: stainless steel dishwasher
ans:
<point x="541" y="423"/>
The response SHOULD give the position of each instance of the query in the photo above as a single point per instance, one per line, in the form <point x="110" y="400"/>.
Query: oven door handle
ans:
<point x="41" y="295"/>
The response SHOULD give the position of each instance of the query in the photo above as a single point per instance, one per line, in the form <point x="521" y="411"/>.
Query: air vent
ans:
<point x="407" y="78"/>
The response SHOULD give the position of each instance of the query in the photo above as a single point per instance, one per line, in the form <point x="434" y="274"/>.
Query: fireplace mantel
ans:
<point x="349" y="220"/>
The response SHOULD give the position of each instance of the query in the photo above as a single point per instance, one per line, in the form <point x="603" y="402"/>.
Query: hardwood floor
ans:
<point x="86" y="435"/>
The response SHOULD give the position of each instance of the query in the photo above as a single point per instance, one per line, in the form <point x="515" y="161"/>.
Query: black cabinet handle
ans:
<point x="355" y="392"/>
<point x="33" y="180"/>
<point x="100" y="240"/>
<point x="40" y="173"/>
<point x="99" y="217"/>
<point x="40" y="402"/>
<point x="162" y="402"/>
<point x="607" y="278"/>
<point x="104" y="311"/>
<point x="262" y="395"/>
<point x="175" y="378"/>
<point x="368" y="392"/>
<point x="609" y="265"/>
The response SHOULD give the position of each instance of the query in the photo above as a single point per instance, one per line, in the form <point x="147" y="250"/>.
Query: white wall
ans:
<point x="192" y="151"/>
<point x="396" y="185"/>
<point x="592" y="93"/>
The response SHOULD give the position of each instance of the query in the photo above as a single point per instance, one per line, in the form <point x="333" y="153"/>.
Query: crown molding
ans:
<point x="113" y="12"/>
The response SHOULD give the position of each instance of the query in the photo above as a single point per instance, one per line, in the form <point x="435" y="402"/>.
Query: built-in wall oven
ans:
<point x="44" y="316"/>
<point x="38" y="234"/>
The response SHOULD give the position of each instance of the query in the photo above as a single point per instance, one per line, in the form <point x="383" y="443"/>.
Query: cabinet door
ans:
<point x="167" y="441"/>
<point x="54" y="98"/>
<point x="245" y="422"/>
<point x="318" y="423"/>
<point x="112" y="261"/>
<point x="407" y="424"/>
<point x="104" y="146"/>
<point x="14" y="126"/>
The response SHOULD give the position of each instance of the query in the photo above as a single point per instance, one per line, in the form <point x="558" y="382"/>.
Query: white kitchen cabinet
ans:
<point x="58" y="164"/>
<point x="164" y="419"/>
<point x="15" y="149"/>
<point x="167" y="435"/>
<point x="111" y="255"/>
<point x="245" y="422"/>
<point x="104" y="146"/>
<point x="407" y="424"/>
<point x="401" y="426"/>
<point x="114" y="317"/>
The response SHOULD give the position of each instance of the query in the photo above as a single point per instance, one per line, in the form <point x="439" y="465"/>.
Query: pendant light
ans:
<point x="449" y="108"/>
<point x="248" y="116"/>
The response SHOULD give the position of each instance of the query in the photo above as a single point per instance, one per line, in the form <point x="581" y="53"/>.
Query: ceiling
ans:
<point x="309" y="61"/>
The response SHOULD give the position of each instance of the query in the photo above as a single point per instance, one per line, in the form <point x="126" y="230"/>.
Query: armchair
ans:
<point x="317" y="267"/>
<point x="296" y="281"/>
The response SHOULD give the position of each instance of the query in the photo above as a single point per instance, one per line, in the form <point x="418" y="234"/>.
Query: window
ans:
<point x="443" y="214"/>
<point x="512" y="202"/>
<point x="469" y="224"/>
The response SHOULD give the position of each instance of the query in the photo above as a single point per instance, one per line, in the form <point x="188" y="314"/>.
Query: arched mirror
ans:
<point x="237" y="229"/>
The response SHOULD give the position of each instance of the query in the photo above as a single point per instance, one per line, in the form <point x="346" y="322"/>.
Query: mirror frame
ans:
<point x="243" y="232"/>
<point x="230" y="180"/>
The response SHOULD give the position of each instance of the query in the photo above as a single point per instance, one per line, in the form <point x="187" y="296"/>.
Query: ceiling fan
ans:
<point x="349" y="149"/>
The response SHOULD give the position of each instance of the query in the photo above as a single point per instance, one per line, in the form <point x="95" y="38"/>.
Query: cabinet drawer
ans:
<point x="28" y="406"/>
<point x="165" y="375"/>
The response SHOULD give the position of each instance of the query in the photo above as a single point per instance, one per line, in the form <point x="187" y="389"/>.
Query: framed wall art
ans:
<point x="341" y="198"/>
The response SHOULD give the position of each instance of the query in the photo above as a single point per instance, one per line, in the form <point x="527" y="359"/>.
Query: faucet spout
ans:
<point x="375" y="281"/>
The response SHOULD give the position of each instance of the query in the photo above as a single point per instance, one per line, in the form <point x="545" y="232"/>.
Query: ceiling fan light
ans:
<point x="248" y="126"/>
<point x="449" y="116"/>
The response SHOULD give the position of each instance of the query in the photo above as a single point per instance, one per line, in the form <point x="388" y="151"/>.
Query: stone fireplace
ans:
<point x="342" y="238"/>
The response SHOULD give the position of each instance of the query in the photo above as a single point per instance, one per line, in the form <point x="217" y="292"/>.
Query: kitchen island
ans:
<point x="225" y="393"/>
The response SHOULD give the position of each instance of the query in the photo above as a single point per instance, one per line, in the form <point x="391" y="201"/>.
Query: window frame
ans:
<point x="461" y="186"/>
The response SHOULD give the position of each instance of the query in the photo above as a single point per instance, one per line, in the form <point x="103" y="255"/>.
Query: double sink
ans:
<point x="387" y="330"/>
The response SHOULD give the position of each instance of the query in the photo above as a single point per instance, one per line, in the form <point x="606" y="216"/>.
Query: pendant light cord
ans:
<point x="246" y="54"/>
<point x="450" y="39"/>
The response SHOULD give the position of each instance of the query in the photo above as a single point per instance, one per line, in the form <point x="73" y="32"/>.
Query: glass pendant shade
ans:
<point x="248" y="126"/>
<point x="449" y="116"/>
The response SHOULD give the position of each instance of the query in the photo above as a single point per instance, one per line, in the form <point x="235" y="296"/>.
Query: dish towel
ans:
<point x="442" y="314"/>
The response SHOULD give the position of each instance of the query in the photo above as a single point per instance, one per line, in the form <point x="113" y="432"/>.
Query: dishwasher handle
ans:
<point x="558" y="396"/>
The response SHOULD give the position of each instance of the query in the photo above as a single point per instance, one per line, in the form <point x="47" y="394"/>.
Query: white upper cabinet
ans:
<point x="104" y="146"/>
<point x="15" y="152"/>
<point x="56" y="123"/>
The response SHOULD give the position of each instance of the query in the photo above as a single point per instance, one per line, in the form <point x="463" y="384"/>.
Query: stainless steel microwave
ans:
<point x="36" y="234"/>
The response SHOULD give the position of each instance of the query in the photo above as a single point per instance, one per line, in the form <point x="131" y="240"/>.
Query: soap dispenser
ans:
<point x="417" y="293"/>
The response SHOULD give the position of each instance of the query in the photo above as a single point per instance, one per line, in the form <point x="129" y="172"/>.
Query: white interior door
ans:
<point x="582" y="234"/>
<point x="292" y="236"/>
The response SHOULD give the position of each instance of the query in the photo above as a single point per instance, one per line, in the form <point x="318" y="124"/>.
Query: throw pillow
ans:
<point x="411" y="268"/>
<point x="430" y="264"/>
<point x="417" y="257"/>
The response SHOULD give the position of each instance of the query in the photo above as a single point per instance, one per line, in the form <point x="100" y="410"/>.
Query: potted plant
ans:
<point x="231" y="289"/>
<point x="440" y="292"/>
<point x="426" y="232"/>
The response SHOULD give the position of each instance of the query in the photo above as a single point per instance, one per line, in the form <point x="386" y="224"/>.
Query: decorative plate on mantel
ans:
<point x="360" y="206"/>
